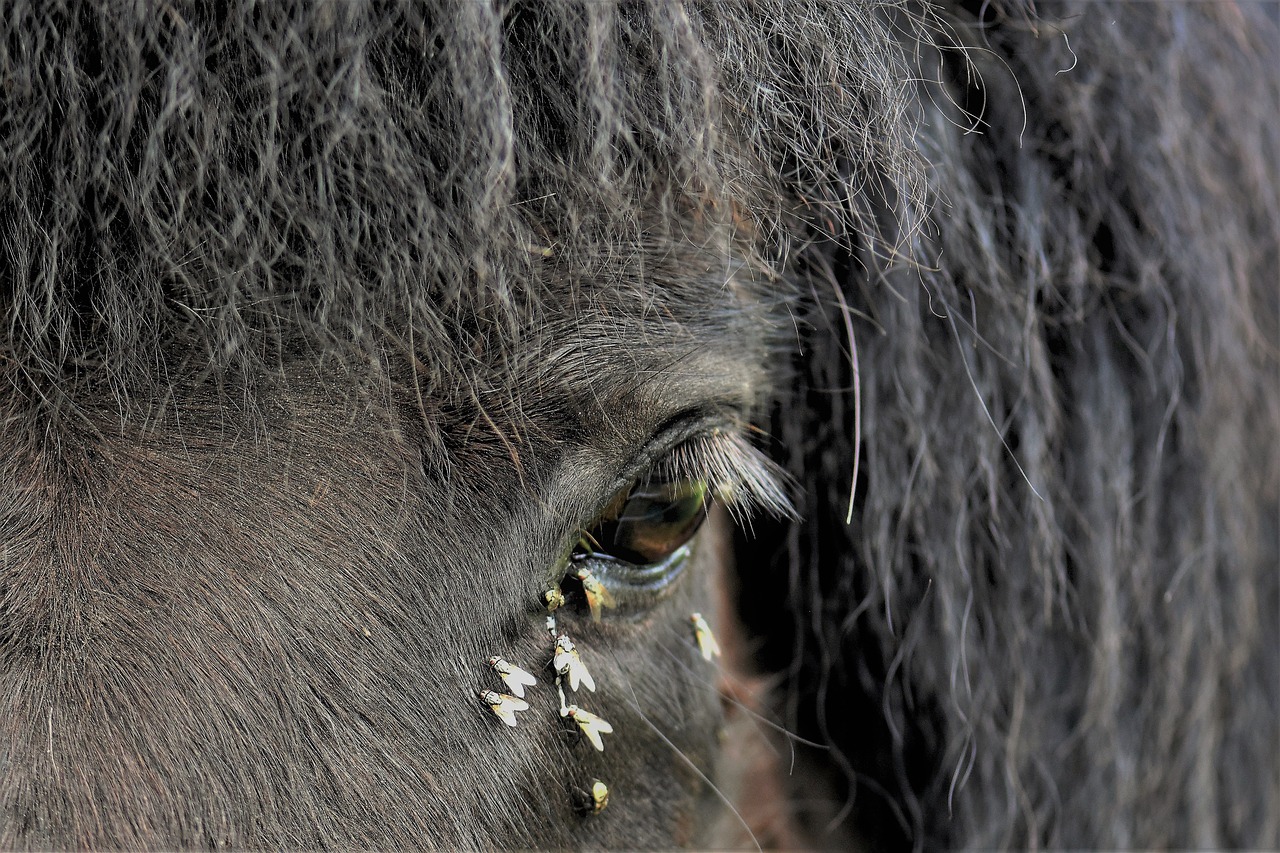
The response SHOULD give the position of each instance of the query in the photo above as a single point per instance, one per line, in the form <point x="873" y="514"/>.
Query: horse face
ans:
<point x="278" y="629"/>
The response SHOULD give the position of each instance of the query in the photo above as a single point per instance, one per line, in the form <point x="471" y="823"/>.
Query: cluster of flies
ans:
<point x="569" y="669"/>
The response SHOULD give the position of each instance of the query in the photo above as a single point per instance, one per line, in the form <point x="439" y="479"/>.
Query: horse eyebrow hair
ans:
<point x="739" y="475"/>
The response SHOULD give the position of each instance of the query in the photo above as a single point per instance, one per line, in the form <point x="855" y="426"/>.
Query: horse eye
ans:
<point x="650" y="522"/>
<point x="635" y="550"/>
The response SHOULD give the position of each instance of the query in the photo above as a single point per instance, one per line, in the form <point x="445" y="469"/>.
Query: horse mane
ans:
<point x="1051" y="618"/>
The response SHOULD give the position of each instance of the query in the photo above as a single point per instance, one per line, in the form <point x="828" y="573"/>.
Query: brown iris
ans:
<point x="649" y="523"/>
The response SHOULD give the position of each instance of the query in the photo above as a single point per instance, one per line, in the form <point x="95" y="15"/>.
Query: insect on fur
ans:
<point x="706" y="640"/>
<point x="591" y="725"/>
<point x="513" y="676"/>
<point x="599" y="796"/>
<point x="553" y="598"/>
<point x="503" y="706"/>
<point x="568" y="663"/>
<point x="593" y="801"/>
<point x="598" y="597"/>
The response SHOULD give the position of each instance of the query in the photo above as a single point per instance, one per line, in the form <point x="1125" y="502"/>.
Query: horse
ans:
<point x="639" y="424"/>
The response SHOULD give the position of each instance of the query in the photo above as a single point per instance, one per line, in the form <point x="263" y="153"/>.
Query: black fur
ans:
<point x="326" y="326"/>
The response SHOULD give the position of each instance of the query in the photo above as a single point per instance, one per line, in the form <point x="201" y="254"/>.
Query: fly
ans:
<point x="593" y="801"/>
<point x="598" y="596"/>
<point x="553" y="598"/>
<point x="503" y="706"/>
<point x="513" y="676"/>
<point x="706" y="640"/>
<point x="591" y="725"/>
<point x="568" y="663"/>
<point x="599" y="796"/>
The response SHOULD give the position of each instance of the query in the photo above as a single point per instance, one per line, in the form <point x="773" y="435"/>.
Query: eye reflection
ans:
<point x="649" y="523"/>
<point x="634" y="551"/>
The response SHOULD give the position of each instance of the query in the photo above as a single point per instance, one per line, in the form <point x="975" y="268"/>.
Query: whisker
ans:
<point x="635" y="704"/>
<point x="729" y="677"/>
<point x="855" y="778"/>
